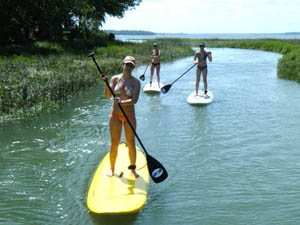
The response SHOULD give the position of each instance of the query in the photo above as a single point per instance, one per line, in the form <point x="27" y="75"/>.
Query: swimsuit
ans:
<point x="156" y="53"/>
<point x="202" y="57"/>
<point x="128" y="92"/>
<point x="155" y="64"/>
<point x="122" y="118"/>
<point x="201" y="68"/>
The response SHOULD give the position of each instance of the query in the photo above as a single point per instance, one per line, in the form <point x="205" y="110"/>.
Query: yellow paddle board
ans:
<point x="122" y="193"/>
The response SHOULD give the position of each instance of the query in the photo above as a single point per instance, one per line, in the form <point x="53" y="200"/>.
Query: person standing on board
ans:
<point x="126" y="89"/>
<point x="155" y="63"/>
<point x="200" y="60"/>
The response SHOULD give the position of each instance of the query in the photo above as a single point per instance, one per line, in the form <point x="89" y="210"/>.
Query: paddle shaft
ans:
<point x="142" y="77"/>
<point x="121" y="108"/>
<point x="183" y="74"/>
<point x="146" y="68"/>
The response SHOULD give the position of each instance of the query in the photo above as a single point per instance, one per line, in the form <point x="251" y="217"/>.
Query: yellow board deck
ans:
<point x="121" y="193"/>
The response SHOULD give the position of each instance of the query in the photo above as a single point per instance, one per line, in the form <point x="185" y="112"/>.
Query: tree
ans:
<point x="24" y="20"/>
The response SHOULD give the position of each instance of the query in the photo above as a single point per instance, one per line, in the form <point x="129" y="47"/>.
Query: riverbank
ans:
<point x="288" y="66"/>
<point x="44" y="76"/>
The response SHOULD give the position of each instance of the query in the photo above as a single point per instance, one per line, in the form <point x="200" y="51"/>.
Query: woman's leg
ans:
<point x="115" y="135"/>
<point x="130" y="140"/>
<point x="205" y="80"/>
<point x="151" y="74"/>
<point x="197" y="80"/>
<point x="157" y="74"/>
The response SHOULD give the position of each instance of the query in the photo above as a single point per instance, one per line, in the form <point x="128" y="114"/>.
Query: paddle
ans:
<point x="167" y="87"/>
<point x="156" y="170"/>
<point x="142" y="77"/>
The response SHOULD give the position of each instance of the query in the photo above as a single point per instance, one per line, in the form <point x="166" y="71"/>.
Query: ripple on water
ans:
<point x="234" y="161"/>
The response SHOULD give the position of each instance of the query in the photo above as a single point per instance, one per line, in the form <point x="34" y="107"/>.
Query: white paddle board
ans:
<point x="153" y="89"/>
<point x="200" y="99"/>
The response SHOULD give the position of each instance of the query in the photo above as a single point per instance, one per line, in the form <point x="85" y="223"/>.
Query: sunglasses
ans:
<point x="129" y="64"/>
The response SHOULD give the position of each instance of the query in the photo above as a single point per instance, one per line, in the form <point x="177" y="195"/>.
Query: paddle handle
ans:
<point x="120" y="106"/>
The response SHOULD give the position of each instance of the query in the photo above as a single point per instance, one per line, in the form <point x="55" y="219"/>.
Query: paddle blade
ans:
<point x="142" y="77"/>
<point x="157" y="172"/>
<point x="165" y="88"/>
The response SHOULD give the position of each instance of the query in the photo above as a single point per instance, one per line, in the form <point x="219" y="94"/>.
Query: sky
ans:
<point x="210" y="16"/>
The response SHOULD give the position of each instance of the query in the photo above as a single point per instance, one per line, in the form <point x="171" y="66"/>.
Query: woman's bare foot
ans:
<point x="110" y="173"/>
<point x="134" y="174"/>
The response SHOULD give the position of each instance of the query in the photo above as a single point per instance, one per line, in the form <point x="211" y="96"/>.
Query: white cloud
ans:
<point x="213" y="16"/>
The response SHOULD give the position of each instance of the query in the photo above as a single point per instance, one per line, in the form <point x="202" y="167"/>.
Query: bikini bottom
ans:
<point x="155" y="64"/>
<point x="201" y="68"/>
<point x="122" y="118"/>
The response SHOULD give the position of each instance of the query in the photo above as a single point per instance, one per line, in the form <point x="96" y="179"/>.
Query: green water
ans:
<point x="234" y="161"/>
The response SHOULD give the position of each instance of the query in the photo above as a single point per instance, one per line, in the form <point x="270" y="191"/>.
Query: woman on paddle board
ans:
<point x="126" y="89"/>
<point x="155" y="63"/>
<point x="200" y="59"/>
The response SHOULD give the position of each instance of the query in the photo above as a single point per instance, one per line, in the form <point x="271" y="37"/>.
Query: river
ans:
<point x="235" y="161"/>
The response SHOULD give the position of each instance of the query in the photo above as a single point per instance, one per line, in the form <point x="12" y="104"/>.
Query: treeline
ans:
<point x="56" y="20"/>
<point x="130" y="32"/>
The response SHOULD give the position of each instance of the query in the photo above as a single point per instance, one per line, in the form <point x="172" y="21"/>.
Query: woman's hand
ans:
<point x="103" y="77"/>
<point x="117" y="100"/>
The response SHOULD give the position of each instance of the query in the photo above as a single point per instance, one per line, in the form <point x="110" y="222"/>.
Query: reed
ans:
<point x="45" y="75"/>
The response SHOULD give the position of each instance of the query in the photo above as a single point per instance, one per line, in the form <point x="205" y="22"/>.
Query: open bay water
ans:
<point x="235" y="161"/>
<point x="140" y="38"/>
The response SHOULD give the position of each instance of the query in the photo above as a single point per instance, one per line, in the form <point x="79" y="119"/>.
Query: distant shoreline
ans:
<point x="142" y="32"/>
<point x="292" y="33"/>
<point x="130" y="32"/>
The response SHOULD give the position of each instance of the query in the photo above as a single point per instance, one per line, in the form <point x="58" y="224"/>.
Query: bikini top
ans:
<point x="155" y="53"/>
<point x="128" y="90"/>
<point x="202" y="56"/>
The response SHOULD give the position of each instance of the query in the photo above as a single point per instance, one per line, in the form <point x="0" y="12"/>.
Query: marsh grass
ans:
<point x="45" y="75"/>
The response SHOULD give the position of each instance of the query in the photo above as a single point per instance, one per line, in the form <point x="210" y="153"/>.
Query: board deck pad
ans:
<point x="154" y="89"/>
<point x="122" y="193"/>
<point x="200" y="99"/>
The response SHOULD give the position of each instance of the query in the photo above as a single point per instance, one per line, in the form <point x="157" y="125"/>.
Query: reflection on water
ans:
<point x="234" y="161"/>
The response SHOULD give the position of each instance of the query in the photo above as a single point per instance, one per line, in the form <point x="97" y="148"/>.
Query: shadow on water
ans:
<point x="113" y="219"/>
<point x="198" y="105"/>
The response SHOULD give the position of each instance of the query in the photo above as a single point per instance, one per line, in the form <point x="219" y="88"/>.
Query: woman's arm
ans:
<point x="108" y="94"/>
<point x="195" y="56"/>
<point x="209" y="56"/>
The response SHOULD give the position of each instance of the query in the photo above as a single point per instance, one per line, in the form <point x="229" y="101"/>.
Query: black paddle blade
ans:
<point x="165" y="88"/>
<point x="157" y="172"/>
<point x="142" y="77"/>
<point x="91" y="54"/>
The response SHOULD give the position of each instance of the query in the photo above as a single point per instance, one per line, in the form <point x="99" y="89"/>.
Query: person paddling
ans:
<point x="155" y="63"/>
<point x="126" y="89"/>
<point x="200" y="60"/>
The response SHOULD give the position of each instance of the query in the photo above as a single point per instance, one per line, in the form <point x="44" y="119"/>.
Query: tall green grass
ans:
<point x="44" y="76"/>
